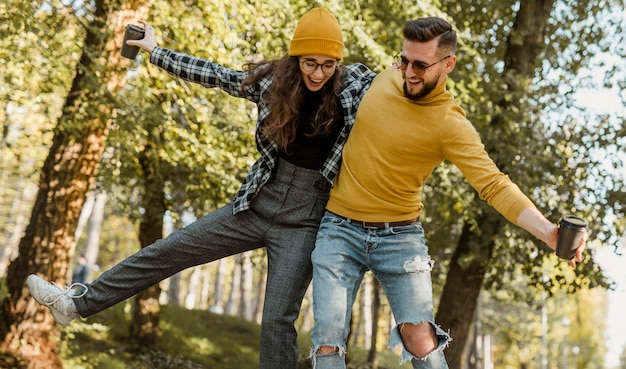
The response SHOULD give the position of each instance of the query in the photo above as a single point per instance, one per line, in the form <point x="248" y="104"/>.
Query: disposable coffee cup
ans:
<point x="132" y="32"/>
<point x="571" y="231"/>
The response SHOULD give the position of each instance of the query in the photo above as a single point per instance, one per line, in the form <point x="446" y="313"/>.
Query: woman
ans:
<point x="306" y="106"/>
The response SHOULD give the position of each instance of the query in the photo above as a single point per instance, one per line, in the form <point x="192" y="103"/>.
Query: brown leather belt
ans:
<point x="378" y="225"/>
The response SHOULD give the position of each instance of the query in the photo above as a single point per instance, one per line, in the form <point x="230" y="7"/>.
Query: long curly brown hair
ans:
<point x="286" y="96"/>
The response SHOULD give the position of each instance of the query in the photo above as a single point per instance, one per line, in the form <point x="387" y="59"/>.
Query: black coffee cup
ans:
<point x="132" y="32"/>
<point x="571" y="231"/>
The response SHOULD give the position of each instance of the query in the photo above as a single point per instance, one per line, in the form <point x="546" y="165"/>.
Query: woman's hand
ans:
<point x="148" y="42"/>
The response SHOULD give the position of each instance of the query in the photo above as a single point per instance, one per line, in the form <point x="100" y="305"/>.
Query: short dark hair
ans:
<point x="429" y="28"/>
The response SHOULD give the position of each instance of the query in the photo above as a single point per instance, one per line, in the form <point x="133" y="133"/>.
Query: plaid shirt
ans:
<point x="209" y="74"/>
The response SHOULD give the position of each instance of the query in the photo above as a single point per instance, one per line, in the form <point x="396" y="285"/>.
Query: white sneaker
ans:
<point x="58" y="300"/>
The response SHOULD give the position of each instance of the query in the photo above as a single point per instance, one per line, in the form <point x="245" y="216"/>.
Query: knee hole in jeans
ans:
<point x="418" y="339"/>
<point x="326" y="350"/>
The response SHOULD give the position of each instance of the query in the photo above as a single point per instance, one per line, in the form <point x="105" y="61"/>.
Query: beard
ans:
<point x="427" y="87"/>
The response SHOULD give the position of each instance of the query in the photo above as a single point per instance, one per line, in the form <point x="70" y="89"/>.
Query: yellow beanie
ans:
<point x="317" y="33"/>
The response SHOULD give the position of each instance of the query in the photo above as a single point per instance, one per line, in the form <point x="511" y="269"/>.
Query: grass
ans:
<point x="189" y="339"/>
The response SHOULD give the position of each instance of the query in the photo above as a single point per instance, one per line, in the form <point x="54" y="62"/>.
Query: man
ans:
<point x="406" y="125"/>
<point x="81" y="270"/>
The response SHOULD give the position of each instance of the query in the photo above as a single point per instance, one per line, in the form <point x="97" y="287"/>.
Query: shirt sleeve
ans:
<point x="204" y="72"/>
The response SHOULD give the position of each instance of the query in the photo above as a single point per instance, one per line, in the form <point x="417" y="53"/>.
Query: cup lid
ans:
<point x="574" y="221"/>
<point x="135" y="27"/>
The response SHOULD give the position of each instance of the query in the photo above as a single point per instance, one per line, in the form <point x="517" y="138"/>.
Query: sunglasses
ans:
<point x="419" y="68"/>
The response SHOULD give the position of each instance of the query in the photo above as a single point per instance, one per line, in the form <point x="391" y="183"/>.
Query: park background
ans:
<point x="101" y="155"/>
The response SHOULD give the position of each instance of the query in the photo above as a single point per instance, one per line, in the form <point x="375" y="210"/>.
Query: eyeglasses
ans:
<point x="310" y="66"/>
<point x="419" y="68"/>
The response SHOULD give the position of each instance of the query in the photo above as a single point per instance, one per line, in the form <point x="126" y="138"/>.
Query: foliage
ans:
<point x="185" y="337"/>
<point x="546" y="151"/>
<point x="565" y="156"/>
<point x="206" y="143"/>
<point x="505" y="94"/>
<point x="189" y="339"/>
<point x="515" y="324"/>
<point x="34" y="52"/>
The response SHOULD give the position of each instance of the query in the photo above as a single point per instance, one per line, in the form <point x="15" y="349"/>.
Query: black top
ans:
<point x="311" y="151"/>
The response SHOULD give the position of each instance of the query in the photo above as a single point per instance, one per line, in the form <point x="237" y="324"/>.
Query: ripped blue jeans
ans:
<point x="398" y="258"/>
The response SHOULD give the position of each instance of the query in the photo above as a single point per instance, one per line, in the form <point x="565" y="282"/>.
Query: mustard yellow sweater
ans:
<point x="396" y="143"/>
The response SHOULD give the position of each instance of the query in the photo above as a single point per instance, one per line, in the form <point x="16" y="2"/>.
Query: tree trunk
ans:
<point x="27" y="328"/>
<point x="19" y="220"/>
<point x="372" y="358"/>
<point x="306" y="312"/>
<point x="364" y="327"/>
<point x="45" y="247"/>
<point x="245" y="304"/>
<point x="217" y="306"/>
<point x="94" y="229"/>
<point x="192" y="290"/>
<point x="173" y="289"/>
<point x="145" y="325"/>
<point x="173" y="283"/>
<point x="232" y="306"/>
<point x="205" y="287"/>
<point x="85" y="214"/>
<point x="259" y="300"/>
<point x="464" y="280"/>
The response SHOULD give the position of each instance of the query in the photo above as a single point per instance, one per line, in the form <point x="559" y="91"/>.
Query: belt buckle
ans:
<point x="366" y="226"/>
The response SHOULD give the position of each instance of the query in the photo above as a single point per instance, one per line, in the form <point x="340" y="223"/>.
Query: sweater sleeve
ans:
<point x="464" y="148"/>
